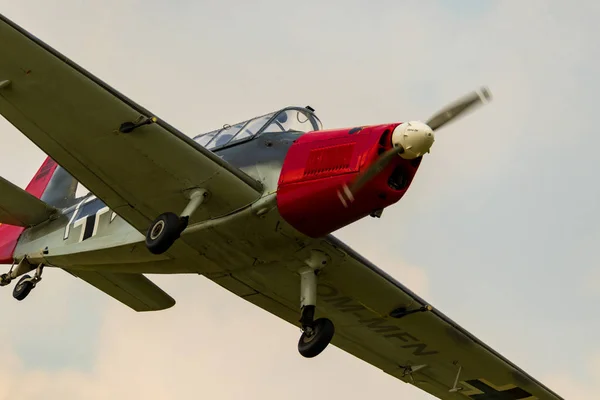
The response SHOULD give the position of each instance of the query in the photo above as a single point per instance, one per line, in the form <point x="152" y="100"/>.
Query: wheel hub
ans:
<point x="157" y="229"/>
<point x="309" y="335"/>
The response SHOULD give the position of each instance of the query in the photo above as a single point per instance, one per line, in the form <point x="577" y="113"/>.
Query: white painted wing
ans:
<point x="19" y="208"/>
<point x="75" y="118"/>
<point x="425" y="349"/>
<point x="133" y="290"/>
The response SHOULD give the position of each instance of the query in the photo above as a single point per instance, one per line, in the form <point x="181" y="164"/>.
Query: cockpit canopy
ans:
<point x="290" y="119"/>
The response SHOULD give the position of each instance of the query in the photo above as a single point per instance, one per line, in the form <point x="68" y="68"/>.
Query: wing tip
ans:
<point x="164" y="304"/>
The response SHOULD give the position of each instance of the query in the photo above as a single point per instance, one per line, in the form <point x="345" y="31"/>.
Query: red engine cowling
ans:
<point x="319" y="163"/>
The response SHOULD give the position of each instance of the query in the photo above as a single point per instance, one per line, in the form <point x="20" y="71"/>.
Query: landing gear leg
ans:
<point x="316" y="334"/>
<point x="16" y="270"/>
<point x="167" y="228"/>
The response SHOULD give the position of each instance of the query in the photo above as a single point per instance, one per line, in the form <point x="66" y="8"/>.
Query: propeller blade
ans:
<point x="459" y="107"/>
<point x="375" y="168"/>
<point x="447" y="114"/>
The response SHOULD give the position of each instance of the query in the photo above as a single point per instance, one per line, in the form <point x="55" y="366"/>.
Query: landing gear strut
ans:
<point x="167" y="228"/>
<point x="316" y="334"/>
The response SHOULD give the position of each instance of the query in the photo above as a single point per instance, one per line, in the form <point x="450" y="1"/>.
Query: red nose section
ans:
<point x="9" y="235"/>
<point x="319" y="164"/>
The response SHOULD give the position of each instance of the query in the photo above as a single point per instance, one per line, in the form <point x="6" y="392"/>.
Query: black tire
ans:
<point x="23" y="288"/>
<point x="312" y="345"/>
<point x="163" y="232"/>
<point x="4" y="279"/>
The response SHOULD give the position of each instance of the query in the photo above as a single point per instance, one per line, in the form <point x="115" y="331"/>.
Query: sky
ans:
<point x="499" y="230"/>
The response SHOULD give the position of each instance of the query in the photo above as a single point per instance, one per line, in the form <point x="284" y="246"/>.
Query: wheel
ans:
<point x="312" y="343"/>
<point x="4" y="279"/>
<point x="23" y="287"/>
<point x="163" y="232"/>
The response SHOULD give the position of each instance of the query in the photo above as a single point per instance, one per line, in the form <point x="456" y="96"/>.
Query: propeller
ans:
<point x="459" y="107"/>
<point x="413" y="139"/>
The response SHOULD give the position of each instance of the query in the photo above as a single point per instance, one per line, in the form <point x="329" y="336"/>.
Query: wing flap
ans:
<point x="75" y="118"/>
<point x="19" y="208"/>
<point x="134" y="290"/>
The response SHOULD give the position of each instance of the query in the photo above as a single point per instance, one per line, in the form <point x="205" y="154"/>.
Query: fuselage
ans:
<point x="301" y="174"/>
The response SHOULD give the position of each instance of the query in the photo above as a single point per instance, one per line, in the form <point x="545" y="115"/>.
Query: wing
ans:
<point x="19" y="208"/>
<point x="417" y="345"/>
<point x="133" y="290"/>
<point x="77" y="119"/>
<point x="419" y="339"/>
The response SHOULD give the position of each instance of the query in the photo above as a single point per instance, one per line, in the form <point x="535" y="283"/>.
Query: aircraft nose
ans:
<point x="415" y="137"/>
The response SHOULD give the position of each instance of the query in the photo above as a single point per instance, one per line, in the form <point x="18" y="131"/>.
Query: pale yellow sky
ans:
<point x="499" y="230"/>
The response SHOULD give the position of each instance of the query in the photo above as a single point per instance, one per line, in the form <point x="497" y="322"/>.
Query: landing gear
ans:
<point x="23" y="287"/>
<point x="5" y="279"/>
<point x="316" y="334"/>
<point x="316" y="337"/>
<point x="167" y="228"/>
<point x="164" y="231"/>
<point x="26" y="284"/>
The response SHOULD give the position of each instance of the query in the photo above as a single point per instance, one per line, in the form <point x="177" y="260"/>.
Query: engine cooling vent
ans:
<point x="331" y="159"/>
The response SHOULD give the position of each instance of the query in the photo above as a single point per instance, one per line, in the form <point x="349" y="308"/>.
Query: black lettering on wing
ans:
<point x="341" y="303"/>
<point x="376" y="325"/>
<point x="420" y="349"/>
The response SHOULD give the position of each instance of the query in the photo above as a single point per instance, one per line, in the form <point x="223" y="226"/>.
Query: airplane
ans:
<point x="250" y="206"/>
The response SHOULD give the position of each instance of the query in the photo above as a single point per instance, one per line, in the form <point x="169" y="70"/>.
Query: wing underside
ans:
<point x="421" y="347"/>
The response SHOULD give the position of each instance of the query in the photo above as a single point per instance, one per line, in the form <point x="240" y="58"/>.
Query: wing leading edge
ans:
<point x="76" y="118"/>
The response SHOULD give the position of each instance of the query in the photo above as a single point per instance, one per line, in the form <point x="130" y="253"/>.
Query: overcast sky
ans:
<point x="499" y="230"/>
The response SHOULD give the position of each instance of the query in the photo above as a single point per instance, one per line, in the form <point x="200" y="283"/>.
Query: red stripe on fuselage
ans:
<point x="9" y="235"/>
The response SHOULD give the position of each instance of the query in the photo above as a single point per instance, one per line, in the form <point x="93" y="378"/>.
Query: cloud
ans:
<point x="181" y="353"/>
<point x="580" y="384"/>
<point x="490" y="224"/>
